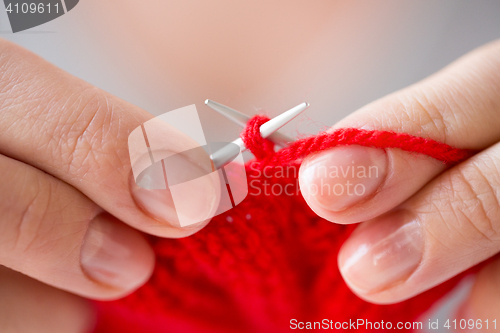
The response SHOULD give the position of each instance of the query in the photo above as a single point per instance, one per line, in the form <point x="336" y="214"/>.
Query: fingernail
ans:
<point x="341" y="177"/>
<point x="177" y="191"/>
<point x="115" y="255"/>
<point x="382" y="253"/>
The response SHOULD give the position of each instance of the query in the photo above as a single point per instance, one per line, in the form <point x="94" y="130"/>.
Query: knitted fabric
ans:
<point x="268" y="260"/>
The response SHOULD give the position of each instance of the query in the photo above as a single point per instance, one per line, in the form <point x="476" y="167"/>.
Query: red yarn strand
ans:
<point x="263" y="149"/>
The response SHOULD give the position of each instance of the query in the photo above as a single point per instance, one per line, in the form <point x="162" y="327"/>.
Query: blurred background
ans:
<point x="259" y="55"/>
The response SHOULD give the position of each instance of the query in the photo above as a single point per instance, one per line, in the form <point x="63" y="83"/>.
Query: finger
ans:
<point x="79" y="134"/>
<point x="459" y="106"/>
<point x="449" y="226"/>
<point x="27" y="305"/>
<point x="483" y="304"/>
<point x="53" y="233"/>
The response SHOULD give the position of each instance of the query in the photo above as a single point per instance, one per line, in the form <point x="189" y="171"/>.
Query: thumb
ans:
<point x="457" y="106"/>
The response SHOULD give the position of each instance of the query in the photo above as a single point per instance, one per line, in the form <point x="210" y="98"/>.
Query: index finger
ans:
<point x="79" y="134"/>
<point x="458" y="106"/>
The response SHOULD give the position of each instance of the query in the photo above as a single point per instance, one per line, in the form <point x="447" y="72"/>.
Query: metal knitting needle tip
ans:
<point x="242" y="119"/>
<point x="227" y="153"/>
<point x="231" y="114"/>
<point x="279" y="121"/>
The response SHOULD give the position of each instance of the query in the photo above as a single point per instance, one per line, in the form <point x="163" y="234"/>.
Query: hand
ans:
<point x="423" y="223"/>
<point x="70" y="212"/>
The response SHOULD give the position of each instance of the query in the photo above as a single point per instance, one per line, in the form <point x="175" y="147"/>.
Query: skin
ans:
<point x="66" y="192"/>
<point x="456" y="209"/>
<point x="69" y="215"/>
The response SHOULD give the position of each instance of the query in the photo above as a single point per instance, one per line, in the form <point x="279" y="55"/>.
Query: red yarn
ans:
<point x="267" y="261"/>
<point x="260" y="147"/>
<point x="347" y="136"/>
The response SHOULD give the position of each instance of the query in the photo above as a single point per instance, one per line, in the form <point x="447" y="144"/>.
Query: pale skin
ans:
<point x="66" y="191"/>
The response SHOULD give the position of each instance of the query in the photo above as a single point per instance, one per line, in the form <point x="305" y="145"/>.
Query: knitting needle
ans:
<point x="242" y="119"/>
<point x="227" y="153"/>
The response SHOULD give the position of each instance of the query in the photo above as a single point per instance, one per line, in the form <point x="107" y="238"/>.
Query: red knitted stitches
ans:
<point x="267" y="261"/>
<point x="260" y="147"/>
<point x="346" y="136"/>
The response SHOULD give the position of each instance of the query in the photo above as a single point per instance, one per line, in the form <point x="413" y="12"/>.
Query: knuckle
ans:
<point x="26" y="217"/>
<point x="42" y="218"/>
<point x="476" y="202"/>
<point x="416" y="111"/>
<point x="83" y="136"/>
